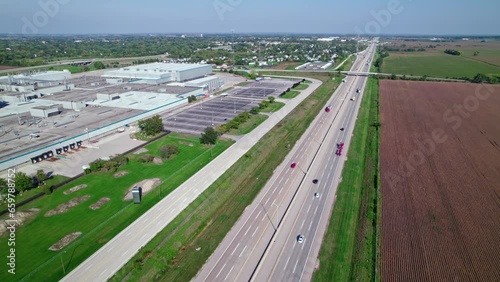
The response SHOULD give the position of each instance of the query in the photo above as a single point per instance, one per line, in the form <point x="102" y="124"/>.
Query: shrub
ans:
<point x="146" y="158"/>
<point x="169" y="150"/>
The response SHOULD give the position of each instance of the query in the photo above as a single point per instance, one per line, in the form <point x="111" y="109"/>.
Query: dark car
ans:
<point x="342" y="129"/>
<point x="315" y="181"/>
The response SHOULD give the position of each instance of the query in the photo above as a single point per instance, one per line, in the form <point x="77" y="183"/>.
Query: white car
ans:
<point x="316" y="195"/>
<point x="300" y="238"/>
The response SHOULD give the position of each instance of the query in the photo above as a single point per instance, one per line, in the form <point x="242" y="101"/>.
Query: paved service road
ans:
<point x="262" y="245"/>
<point x="112" y="256"/>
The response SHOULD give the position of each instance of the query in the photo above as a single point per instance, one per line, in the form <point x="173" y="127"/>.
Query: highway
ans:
<point x="119" y="250"/>
<point x="263" y="246"/>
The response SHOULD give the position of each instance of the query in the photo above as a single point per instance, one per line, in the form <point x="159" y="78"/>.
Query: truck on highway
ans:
<point x="328" y="108"/>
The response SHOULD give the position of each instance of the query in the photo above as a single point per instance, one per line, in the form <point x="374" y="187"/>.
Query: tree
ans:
<point x="254" y="110"/>
<point x="253" y="75"/>
<point x="452" y="52"/>
<point x="47" y="189"/>
<point x="151" y="126"/>
<point x="479" y="78"/>
<point x="271" y="99"/>
<point x="99" y="65"/>
<point x="40" y="175"/>
<point x="209" y="136"/>
<point x="476" y="53"/>
<point x="3" y="186"/>
<point x="23" y="182"/>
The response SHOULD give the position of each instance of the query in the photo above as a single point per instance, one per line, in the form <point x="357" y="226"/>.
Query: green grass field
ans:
<point x="172" y="255"/>
<point x="249" y="125"/>
<point x="35" y="237"/>
<point x="302" y="86"/>
<point x="347" y="252"/>
<point x="290" y="94"/>
<point x="273" y="107"/>
<point x="55" y="180"/>
<point x="436" y="64"/>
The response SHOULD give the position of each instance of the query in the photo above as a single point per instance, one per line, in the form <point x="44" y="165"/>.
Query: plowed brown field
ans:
<point x="440" y="169"/>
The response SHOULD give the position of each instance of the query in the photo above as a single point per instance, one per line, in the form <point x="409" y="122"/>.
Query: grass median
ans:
<point x="349" y="249"/>
<point x="180" y="250"/>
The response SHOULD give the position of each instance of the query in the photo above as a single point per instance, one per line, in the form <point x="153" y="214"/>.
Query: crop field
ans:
<point x="436" y="64"/>
<point x="440" y="147"/>
<point x="476" y="57"/>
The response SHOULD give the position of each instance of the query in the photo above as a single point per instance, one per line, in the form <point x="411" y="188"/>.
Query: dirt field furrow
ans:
<point x="440" y="171"/>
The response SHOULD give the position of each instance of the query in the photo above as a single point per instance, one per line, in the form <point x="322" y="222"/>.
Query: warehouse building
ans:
<point x="158" y="73"/>
<point x="210" y="83"/>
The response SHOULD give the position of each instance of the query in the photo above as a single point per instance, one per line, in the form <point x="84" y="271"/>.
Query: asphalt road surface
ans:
<point x="262" y="246"/>
<point x="111" y="257"/>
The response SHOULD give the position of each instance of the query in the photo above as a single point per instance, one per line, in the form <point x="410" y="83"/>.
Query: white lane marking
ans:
<point x="250" y="227"/>
<point x="310" y="226"/>
<point x="228" y="273"/>
<point x="110" y="249"/>
<point x="304" y="221"/>
<point x="88" y="267"/>
<point x="102" y="273"/>
<point x="267" y="201"/>
<point x="243" y="251"/>
<point x="316" y="209"/>
<point x="309" y="208"/>
<point x="284" y="268"/>
<point x="220" y="271"/>
<point x="296" y="264"/>
<point x="273" y="202"/>
<point x="235" y="249"/>
<point x="255" y="231"/>
<point x="287" y="181"/>
<point x="281" y="180"/>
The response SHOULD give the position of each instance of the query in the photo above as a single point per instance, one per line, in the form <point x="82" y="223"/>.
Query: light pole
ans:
<point x="294" y="165"/>
<point x="62" y="263"/>
<point x="277" y="208"/>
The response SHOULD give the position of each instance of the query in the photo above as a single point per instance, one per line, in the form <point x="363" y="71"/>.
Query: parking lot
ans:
<point x="208" y="114"/>
<point x="223" y="109"/>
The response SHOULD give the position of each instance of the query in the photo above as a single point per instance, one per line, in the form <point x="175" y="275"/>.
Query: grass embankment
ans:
<point x="273" y="107"/>
<point x="349" y="249"/>
<point x="290" y="94"/>
<point x="249" y="125"/>
<point x="436" y="64"/>
<point x="172" y="255"/>
<point x="98" y="226"/>
<point x="302" y="86"/>
<point x="348" y="65"/>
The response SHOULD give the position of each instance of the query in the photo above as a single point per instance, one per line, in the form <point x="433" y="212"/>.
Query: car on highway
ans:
<point x="358" y="90"/>
<point x="300" y="238"/>
<point x="342" y="129"/>
<point x="316" y="195"/>
<point x="328" y="108"/>
<point x="315" y="181"/>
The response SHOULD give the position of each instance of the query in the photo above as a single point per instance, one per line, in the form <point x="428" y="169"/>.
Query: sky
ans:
<point x="364" y="17"/>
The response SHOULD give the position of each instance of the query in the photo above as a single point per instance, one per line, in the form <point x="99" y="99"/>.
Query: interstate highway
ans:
<point x="262" y="245"/>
